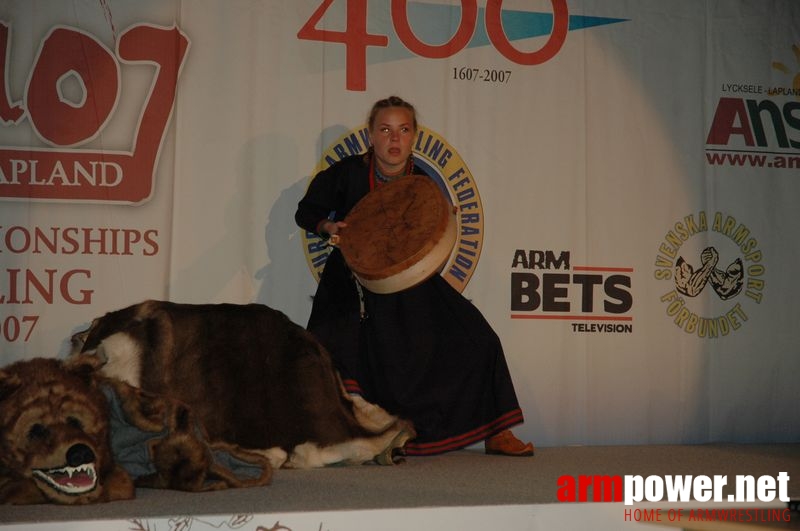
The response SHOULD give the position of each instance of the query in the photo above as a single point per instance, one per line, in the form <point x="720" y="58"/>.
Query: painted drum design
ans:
<point x="399" y="235"/>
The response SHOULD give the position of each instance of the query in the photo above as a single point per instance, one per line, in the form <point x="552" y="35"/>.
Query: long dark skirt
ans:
<point x="425" y="354"/>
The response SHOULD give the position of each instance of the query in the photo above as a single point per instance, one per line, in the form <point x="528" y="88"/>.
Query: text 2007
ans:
<point x="14" y="329"/>
<point x="487" y="75"/>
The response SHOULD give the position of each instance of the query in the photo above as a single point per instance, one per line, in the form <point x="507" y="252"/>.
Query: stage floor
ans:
<point x="460" y="485"/>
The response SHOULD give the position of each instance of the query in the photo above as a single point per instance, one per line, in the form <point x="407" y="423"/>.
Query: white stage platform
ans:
<point x="462" y="491"/>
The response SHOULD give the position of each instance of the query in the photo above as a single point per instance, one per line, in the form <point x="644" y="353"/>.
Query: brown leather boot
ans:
<point x="505" y="443"/>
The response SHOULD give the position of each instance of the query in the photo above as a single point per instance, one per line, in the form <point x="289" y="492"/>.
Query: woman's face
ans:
<point x="392" y="135"/>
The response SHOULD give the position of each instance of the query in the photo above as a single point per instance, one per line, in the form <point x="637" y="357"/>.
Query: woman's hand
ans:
<point x="328" y="228"/>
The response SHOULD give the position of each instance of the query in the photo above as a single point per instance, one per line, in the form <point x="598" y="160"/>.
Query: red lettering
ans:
<point x="607" y="488"/>
<point x="25" y="286"/>
<point x="167" y="48"/>
<point x="604" y="488"/>
<point x="125" y="177"/>
<point x="70" y="296"/>
<point x="584" y="482"/>
<point x="566" y="490"/>
<point x="8" y="113"/>
<point x="355" y="38"/>
<point x="150" y="237"/>
<point x="68" y="52"/>
<point x="494" y="29"/>
<point x="729" y="110"/>
<point x="131" y="237"/>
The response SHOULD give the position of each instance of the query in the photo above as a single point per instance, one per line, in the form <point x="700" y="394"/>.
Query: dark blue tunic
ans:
<point x="426" y="353"/>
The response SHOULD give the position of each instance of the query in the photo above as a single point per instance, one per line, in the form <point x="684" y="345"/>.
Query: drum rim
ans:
<point x="417" y="273"/>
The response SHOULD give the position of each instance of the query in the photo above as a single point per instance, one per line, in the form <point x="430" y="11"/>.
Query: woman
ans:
<point x="425" y="353"/>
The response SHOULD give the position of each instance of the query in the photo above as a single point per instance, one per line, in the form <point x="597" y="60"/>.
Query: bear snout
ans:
<point x="79" y="454"/>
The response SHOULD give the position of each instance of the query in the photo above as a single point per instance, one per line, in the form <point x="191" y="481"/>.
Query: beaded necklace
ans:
<point x="376" y="178"/>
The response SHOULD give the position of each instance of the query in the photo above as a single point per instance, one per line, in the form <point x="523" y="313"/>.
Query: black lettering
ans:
<point x="613" y="287"/>
<point x="524" y="295"/>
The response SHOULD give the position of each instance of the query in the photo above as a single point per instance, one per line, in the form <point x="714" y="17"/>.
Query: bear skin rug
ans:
<point x="251" y="376"/>
<point x="70" y="435"/>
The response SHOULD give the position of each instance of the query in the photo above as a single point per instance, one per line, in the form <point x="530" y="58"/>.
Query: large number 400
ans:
<point x="356" y="38"/>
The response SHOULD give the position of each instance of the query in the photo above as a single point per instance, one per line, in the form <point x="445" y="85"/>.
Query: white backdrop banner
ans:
<point x="627" y="174"/>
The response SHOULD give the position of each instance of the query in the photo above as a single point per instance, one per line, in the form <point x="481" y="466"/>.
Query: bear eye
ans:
<point x="74" y="423"/>
<point x="38" y="431"/>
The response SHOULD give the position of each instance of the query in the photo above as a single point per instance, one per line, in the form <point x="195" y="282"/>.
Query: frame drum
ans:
<point x="399" y="234"/>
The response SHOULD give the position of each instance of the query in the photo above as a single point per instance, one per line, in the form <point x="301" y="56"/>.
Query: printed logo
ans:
<point x="757" y="125"/>
<point x="445" y="166"/>
<point x="721" y="260"/>
<point x="70" y="97"/>
<point x="422" y="29"/>
<point x="544" y="285"/>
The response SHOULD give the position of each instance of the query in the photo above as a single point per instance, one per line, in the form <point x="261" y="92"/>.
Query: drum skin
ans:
<point x="399" y="234"/>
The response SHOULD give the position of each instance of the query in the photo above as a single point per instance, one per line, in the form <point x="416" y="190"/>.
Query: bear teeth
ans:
<point x="71" y="480"/>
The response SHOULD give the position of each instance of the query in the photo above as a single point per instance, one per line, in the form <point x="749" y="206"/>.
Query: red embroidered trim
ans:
<point x="505" y="421"/>
<point x="351" y="386"/>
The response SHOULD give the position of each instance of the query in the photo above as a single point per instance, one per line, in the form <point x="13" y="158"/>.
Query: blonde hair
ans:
<point x="391" y="101"/>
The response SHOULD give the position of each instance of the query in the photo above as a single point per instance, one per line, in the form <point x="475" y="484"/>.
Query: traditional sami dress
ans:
<point x="425" y="354"/>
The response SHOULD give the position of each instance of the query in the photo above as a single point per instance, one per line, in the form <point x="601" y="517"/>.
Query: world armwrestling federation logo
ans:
<point x="445" y="166"/>
<point x="714" y="268"/>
